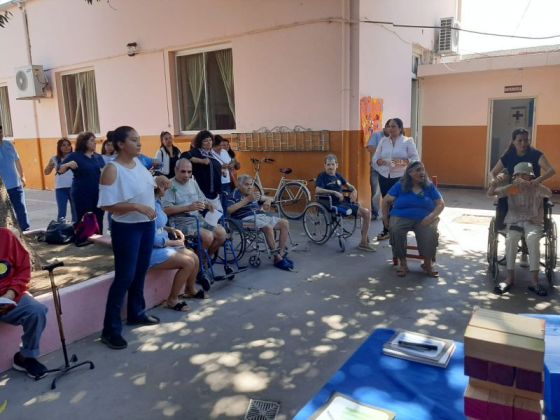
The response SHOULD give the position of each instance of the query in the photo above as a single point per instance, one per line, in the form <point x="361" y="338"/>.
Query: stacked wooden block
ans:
<point x="504" y="358"/>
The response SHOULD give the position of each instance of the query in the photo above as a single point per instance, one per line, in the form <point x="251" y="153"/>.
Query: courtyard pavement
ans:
<point x="273" y="335"/>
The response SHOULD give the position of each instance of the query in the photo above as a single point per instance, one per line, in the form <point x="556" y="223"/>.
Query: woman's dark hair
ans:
<point x="514" y="134"/>
<point x="104" y="143"/>
<point x="406" y="179"/>
<point x="230" y="151"/>
<point x="162" y="135"/>
<point x="218" y="140"/>
<point x="119" y="135"/>
<point x="399" y="123"/>
<point x="81" y="141"/>
<point x="59" y="144"/>
<point x="202" y="135"/>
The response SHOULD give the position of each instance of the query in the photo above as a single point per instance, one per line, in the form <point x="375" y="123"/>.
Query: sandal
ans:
<point x="430" y="272"/>
<point x="539" y="290"/>
<point x="402" y="272"/>
<point x="367" y="247"/>
<point x="180" y="306"/>
<point x="198" y="295"/>
<point x="502" y="287"/>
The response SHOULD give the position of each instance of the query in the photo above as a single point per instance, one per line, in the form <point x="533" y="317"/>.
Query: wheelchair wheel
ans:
<point x="254" y="261"/>
<point x="492" y="251"/>
<point x="349" y="224"/>
<point x="237" y="238"/>
<point x="316" y="223"/>
<point x="550" y="251"/>
<point x="292" y="200"/>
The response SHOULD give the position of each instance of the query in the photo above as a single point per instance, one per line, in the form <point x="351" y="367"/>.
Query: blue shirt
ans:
<point x="410" y="205"/>
<point x="146" y="161"/>
<point x="161" y="236"/>
<point x="245" y="211"/>
<point x="332" y="183"/>
<point x="8" y="168"/>
<point x="88" y="172"/>
<point x="510" y="159"/>
<point x="375" y="138"/>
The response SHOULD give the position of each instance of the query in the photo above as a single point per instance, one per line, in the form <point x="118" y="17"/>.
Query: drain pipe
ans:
<point x="21" y="5"/>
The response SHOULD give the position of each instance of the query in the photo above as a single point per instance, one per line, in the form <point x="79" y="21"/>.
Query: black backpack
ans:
<point x="59" y="232"/>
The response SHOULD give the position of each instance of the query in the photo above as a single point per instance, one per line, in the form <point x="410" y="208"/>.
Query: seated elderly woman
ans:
<point x="524" y="218"/>
<point x="172" y="254"/>
<point x="416" y="206"/>
<point x="246" y="204"/>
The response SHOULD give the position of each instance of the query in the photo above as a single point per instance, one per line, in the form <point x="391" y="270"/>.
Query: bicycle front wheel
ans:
<point x="292" y="200"/>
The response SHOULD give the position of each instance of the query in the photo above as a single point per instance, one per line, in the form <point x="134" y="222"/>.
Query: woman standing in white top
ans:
<point x="127" y="191"/>
<point x="168" y="154"/>
<point x="62" y="181"/>
<point x="392" y="156"/>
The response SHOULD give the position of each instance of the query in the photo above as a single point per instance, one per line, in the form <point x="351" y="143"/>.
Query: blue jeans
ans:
<point x="62" y="198"/>
<point x="132" y="248"/>
<point x="32" y="316"/>
<point x="17" y="197"/>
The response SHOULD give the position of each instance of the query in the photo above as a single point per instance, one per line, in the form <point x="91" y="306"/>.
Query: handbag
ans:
<point x="85" y="228"/>
<point x="59" y="232"/>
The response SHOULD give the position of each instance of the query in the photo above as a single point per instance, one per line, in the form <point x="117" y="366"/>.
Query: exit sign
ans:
<point x="513" y="89"/>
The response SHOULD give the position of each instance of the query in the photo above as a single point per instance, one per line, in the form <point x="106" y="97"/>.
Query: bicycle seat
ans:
<point x="286" y="171"/>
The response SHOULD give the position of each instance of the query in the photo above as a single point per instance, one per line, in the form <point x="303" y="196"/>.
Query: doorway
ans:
<point x="506" y="116"/>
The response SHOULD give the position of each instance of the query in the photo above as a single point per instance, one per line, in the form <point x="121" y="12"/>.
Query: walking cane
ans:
<point x="71" y="363"/>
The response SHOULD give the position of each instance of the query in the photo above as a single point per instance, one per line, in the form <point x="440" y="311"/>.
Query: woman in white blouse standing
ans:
<point x="127" y="191"/>
<point x="392" y="156"/>
<point x="62" y="181"/>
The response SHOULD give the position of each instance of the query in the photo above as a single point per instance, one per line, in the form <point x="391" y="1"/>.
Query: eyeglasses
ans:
<point x="184" y="171"/>
<point x="393" y="126"/>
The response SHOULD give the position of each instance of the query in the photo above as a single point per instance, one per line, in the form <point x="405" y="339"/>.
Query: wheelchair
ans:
<point x="497" y="228"/>
<point x="322" y="219"/>
<point x="230" y="263"/>
<point x="246" y="240"/>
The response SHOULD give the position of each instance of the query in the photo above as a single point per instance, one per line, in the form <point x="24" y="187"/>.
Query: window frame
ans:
<point x="193" y="51"/>
<point x="5" y="85"/>
<point x="64" y="120"/>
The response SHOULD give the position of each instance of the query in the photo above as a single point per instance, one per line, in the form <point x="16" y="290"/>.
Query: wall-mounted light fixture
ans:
<point x="132" y="48"/>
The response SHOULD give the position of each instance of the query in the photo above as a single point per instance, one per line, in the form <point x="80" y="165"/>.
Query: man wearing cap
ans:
<point x="12" y="175"/>
<point x="525" y="218"/>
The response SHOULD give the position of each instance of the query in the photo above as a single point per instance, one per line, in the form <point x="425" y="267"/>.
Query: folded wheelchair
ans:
<point x="322" y="219"/>
<point x="495" y="251"/>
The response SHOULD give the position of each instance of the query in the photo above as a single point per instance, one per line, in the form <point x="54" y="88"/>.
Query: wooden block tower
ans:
<point x="504" y="358"/>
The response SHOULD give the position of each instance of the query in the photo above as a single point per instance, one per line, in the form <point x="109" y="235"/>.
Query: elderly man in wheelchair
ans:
<point x="330" y="189"/>
<point x="525" y="219"/>
<point x="246" y="205"/>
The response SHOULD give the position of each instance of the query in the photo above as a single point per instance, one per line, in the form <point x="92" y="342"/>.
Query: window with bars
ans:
<point x="5" y="116"/>
<point x="80" y="102"/>
<point x="205" y="90"/>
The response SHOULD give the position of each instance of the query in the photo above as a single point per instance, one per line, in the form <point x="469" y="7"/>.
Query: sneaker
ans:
<point x="34" y="369"/>
<point x="283" y="265"/>
<point x="203" y="280"/>
<point x="524" y="261"/>
<point x="383" y="235"/>
<point x="115" y="342"/>
<point x="367" y="247"/>
<point x="146" y="320"/>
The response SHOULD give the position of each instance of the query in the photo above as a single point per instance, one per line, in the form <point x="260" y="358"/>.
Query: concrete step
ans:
<point x="83" y="309"/>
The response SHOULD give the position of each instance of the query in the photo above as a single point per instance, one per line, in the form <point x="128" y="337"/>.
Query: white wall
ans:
<point x="386" y="51"/>
<point x="462" y="99"/>
<point x="287" y="59"/>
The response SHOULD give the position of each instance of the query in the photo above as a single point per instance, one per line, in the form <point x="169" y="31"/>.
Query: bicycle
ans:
<point x="291" y="196"/>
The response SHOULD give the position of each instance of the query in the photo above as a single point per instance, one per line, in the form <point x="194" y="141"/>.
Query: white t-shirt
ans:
<point x="61" y="180"/>
<point x="224" y="158"/>
<point x="132" y="185"/>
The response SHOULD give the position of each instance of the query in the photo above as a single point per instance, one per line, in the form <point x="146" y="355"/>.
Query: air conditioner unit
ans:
<point x="31" y="82"/>
<point x="448" y="42"/>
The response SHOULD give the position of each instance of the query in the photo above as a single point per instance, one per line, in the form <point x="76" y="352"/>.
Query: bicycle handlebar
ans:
<point x="265" y="160"/>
